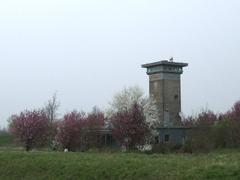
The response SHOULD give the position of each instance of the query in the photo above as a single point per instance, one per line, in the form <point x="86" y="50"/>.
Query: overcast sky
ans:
<point x="88" y="50"/>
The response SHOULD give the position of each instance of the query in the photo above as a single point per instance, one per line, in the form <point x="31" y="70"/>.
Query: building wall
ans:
<point x="166" y="90"/>
<point x="176" y="135"/>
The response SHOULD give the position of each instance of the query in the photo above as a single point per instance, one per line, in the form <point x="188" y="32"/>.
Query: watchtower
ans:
<point x="165" y="88"/>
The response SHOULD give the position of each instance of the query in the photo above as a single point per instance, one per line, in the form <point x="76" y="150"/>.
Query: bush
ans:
<point x="6" y="138"/>
<point x="227" y="134"/>
<point x="165" y="148"/>
<point x="202" y="139"/>
<point x="187" y="147"/>
<point x="202" y="134"/>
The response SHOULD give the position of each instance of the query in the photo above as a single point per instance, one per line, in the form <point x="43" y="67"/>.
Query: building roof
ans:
<point x="164" y="63"/>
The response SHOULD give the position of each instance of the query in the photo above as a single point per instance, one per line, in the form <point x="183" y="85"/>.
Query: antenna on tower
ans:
<point x="171" y="59"/>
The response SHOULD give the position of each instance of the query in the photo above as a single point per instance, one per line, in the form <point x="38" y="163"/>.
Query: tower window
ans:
<point x="176" y="96"/>
<point x="167" y="138"/>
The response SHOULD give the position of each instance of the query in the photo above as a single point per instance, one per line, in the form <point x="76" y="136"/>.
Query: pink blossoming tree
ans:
<point x="70" y="129"/>
<point x="129" y="127"/>
<point x="78" y="131"/>
<point x="30" y="128"/>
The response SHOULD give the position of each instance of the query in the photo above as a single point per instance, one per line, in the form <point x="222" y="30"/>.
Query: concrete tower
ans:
<point x="165" y="88"/>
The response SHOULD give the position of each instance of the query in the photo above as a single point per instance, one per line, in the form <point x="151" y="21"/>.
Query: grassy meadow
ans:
<point x="17" y="164"/>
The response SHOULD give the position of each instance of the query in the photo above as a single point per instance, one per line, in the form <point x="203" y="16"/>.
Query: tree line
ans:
<point x="132" y="119"/>
<point x="214" y="130"/>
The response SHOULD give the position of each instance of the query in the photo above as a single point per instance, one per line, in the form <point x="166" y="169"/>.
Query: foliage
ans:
<point x="122" y="104"/>
<point x="95" y="119"/>
<point x="6" y="138"/>
<point x="129" y="127"/>
<point x="151" y="113"/>
<point x="78" y="131"/>
<point x="225" y="134"/>
<point x="30" y="128"/>
<point x="125" y="99"/>
<point x="167" y="148"/>
<point x="202" y="139"/>
<point x="214" y="131"/>
<point x="202" y="133"/>
<point x="3" y="130"/>
<point x="227" y="131"/>
<point x="206" y="118"/>
<point x="234" y="113"/>
<point x="93" y="125"/>
<point x="70" y="129"/>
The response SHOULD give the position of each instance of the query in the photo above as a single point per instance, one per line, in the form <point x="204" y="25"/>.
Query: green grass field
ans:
<point x="15" y="164"/>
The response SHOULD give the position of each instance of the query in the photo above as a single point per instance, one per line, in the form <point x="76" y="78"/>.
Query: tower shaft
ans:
<point x="165" y="89"/>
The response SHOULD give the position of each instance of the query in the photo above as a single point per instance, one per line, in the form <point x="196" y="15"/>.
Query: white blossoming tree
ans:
<point x="151" y="113"/>
<point x="125" y="99"/>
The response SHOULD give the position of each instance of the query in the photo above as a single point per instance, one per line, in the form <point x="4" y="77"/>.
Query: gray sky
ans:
<point x="87" y="50"/>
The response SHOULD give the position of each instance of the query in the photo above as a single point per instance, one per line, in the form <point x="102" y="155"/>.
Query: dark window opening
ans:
<point x="156" y="140"/>
<point x="176" y="96"/>
<point x="166" y="138"/>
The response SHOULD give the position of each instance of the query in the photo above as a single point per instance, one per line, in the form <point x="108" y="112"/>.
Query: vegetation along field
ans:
<point x="224" y="164"/>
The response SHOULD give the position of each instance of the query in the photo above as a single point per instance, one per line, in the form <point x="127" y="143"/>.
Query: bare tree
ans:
<point x="52" y="107"/>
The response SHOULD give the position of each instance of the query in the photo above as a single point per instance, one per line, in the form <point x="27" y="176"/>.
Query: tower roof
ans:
<point x="165" y="63"/>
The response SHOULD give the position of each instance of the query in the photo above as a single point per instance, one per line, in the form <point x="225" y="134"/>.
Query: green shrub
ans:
<point x="165" y="148"/>
<point x="187" y="147"/>
<point x="202" y="139"/>
<point x="6" y="139"/>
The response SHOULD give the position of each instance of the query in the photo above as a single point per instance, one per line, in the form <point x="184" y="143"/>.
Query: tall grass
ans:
<point x="49" y="165"/>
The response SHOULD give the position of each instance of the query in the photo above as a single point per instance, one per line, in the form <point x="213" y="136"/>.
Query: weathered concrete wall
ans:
<point x="176" y="135"/>
<point x="166" y="90"/>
